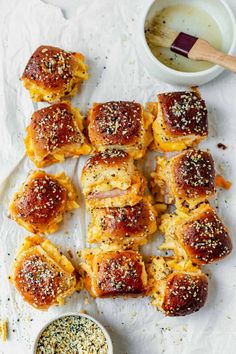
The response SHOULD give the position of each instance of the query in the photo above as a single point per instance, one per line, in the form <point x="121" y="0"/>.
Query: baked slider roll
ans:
<point x="110" y="179"/>
<point x="114" y="273"/>
<point x="185" y="179"/>
<point x="126" y="227"/>
<point x="198" y="235"/>
<point x="52" y="73"/>
<point x="42" y="275"/>
<point x="176" y="289"/>
<point x="180" y="120"/>
<point x="41" y="202"/>
<point x="120" y="125"/>
<point x="54" y="133"/>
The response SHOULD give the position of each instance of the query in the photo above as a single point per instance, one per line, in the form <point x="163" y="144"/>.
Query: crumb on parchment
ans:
<point x="4" y="330"/>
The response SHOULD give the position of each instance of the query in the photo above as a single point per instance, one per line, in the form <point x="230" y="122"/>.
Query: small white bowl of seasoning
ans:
<point x="212" y="20"/>
<point x="73" y="333"/>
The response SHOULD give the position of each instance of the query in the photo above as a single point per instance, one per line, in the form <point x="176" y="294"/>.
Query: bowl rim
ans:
<point x="107" y="335"/>
<point x="184" y="74"/>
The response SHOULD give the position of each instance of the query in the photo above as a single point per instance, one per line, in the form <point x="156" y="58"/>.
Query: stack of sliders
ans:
<point x="194" y="231"/>
<point x="122" y="218"/>
<point x="41" y="274"/>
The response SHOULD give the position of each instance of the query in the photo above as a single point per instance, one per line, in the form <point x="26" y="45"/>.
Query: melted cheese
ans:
<point x="132" y="196"/>
<point x="158" y="271"/>
<point x="49" y="248"/>
<point x="159" y="183"/>
<point x="168" y="228"/>
<point x="103" y="178"/>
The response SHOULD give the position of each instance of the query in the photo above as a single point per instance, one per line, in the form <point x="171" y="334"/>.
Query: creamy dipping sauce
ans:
<point x="192" y="20"/>
<point x="72" y="335"/>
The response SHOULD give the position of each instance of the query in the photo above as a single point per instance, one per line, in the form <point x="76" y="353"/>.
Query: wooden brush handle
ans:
<point x="202" y="50"/>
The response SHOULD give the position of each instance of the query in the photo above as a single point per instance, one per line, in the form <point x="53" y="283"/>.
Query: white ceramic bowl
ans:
<point x="225" y="19"/>
<point x="108" y="338"/>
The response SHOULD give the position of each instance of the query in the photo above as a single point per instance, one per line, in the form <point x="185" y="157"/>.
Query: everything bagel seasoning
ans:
<point x="72" y="335"/>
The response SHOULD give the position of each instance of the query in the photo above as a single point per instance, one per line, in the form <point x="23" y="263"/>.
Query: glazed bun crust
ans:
<point x="42" y="275"/>
<point x="42" y="200"/>
<point x="194" y="174"/>
<point x="205" y="238"/>
<point x="129" y="220"/>
<point x="186" y="179"/>
<point x="107" y="158"/>
<point x="115" y="123"/>
<point x="184" y="294"/>
<point x="184" y="113"/>
<point x="120" y="273"/>
<point x="196" y="235"/>
<point x="114" y="273"/>
<point x="53" y="73"/>
<point x="53" y="127"/>
<point x="178" y="288"/>
<point x="37" y="281"/>
<point x="127" y="227"/>
<point x="54" y="133"/>
<point x="50" y="67"/>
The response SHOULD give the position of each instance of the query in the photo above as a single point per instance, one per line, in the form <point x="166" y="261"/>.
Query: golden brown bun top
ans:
<point x="50" y="67"/>
<point x="107" y="158"/>
<point x="41" y="200"/>
<point x="185" y="293"/>
<point x="116" y="122"/>
<point x="52" y="127"/>
<point x="38" y="281"/>
<point x="194" y="173"/>
<point x="120" y="273"/>
<point x="206" y="238"/>
<point x="129" y="220"/>
<point x="185" y="113"/>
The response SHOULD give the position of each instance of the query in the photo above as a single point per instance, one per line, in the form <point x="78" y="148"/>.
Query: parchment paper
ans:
<point x="104" y="31"/>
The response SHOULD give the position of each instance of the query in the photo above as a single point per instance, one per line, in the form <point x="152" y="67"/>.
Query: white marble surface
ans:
<point x="104" y="31"/>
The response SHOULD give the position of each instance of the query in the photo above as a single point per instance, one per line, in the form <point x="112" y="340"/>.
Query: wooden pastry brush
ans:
<point x="188" y="46"/>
